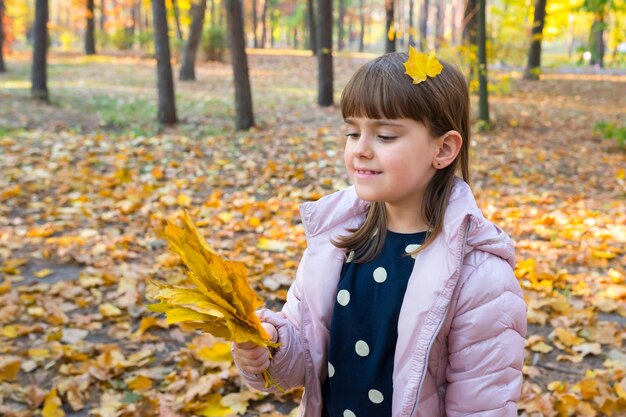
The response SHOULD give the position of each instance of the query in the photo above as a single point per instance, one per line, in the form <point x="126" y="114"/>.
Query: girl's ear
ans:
<point x="449" y="147"/>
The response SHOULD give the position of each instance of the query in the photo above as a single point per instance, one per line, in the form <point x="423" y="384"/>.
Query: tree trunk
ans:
<point x="534" y="52"/>
<point x="362" y="23"/>
<point x="340" y="29"/>
<point x="470" y="34"/>
<point x="325" y="55"/>
<point x="2" y="66"/>
<point x="137" y="21"/>
<point x="470" y="23"/>
<point x="165" y="80"/>
<point x="597" y="41"/>
<point x="454" y="37"/>
<point x="243" y="94"/>
<point x="264" y="24"/>
<point x="411" y="23"/>
<point x="390" y="40"/>
<point x="179" y="32"/>
<point x="424" y="25"/>
<point x="312" y="26"/>
<point x="187" y="68"/>
<point x="212" y="13"/>
<point x="39" y="89"/>
<point x="440" y="23"/>
<point x="220" y="14"/>
<point x="103" y="15"/>
<point x="90" y="42"/>
<point x="255" y="24"/>
<point x="483" y="101"/>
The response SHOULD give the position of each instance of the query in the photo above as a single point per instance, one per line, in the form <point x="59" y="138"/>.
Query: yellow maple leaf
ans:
<point x="420" y="66"/>
<point x="139" y="383"/>
<point x="568" y="338"/>
<point x="620" y="388"/>
<point x="219" y="299"/>
<point x="52" y="405"/>
<point x="214" y="407"/>
<point x="43" y="273"/>
<point x="9" y="368"/>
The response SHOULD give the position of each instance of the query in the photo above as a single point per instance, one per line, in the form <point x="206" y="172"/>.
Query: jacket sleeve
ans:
<point x="486" y="342"/>
<point x="287" y="363"/>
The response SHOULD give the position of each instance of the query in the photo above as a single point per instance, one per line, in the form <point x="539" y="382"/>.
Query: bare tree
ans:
<point x="264" y="24"/>
<point x="534" y="52"/>
<point x="483" y="97"/>
<point x="470" y="32"/>
<point x="243" y="93"/>
<point x="90" y="41"/>
<point x="103" y="15"/>
<point x="179" y="32"/>
<point x="312" y="26"/>
<point x="362" y="25"/>
<point x="187" y="69"/>
<point x="390" y="40"/>
<point x="325" y="55"/>
<point x="2" y="66"/>
<point x="440" y="23"/>
<point x="165" y="80"/>
<point x="411" y="23"/>
<point x="39" y="78"/>
<point x="340" y="23"/>
<point x="424" y="25"/>
<point x="255" y="23"/>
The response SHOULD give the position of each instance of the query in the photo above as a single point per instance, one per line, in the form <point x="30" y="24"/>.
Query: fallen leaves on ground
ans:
<point x="78" y="248"/>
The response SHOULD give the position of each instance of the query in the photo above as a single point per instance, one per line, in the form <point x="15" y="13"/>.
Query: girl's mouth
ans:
<point x="366" y="172"/>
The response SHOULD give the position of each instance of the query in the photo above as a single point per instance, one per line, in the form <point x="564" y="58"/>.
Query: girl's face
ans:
<point x="390" y="160"/>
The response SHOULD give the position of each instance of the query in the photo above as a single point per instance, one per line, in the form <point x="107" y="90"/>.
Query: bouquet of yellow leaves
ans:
<point x="220" y="301"/>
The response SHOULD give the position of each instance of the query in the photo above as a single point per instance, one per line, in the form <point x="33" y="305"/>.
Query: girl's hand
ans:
<point x="251" y="358"/>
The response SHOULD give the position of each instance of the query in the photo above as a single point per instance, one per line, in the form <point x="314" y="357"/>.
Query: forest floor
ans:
<point x="86" y="182"/>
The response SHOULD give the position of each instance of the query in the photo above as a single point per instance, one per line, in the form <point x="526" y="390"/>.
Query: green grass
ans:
<point x="611" y="131"/>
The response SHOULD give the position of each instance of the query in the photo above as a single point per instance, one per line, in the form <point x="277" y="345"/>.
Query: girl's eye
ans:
<point x="353" y="135"/>
<point x="387" y="138"/>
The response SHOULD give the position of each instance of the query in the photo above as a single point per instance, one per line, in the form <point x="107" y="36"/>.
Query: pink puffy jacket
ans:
<point x="462" y="324"/>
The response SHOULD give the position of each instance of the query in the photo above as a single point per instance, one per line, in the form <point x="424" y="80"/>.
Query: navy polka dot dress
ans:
<point x="364" y="330"/>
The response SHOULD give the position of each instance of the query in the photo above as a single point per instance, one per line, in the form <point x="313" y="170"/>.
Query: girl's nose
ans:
<point x="362" y="147"/>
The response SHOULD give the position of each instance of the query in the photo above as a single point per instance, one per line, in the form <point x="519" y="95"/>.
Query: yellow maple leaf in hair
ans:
<point x="419" y="66"/>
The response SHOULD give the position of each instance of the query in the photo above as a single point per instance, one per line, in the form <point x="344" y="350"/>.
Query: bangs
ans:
<point x="381" y="90"/>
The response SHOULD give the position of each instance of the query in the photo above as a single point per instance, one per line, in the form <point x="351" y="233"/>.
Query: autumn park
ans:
<point x="131" y="131"/>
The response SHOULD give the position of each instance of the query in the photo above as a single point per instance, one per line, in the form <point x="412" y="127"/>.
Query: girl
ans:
<point x="405" y="302"/>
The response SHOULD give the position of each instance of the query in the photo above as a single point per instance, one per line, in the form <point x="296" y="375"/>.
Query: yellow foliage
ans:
<point x="419" y="66"/>
<point x="52" y="405"/>
<point x="219" y="301"/>
<point x="9" y="367"/>
<point x="139" y="383"/>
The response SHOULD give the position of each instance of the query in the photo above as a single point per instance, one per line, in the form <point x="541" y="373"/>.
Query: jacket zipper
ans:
<point x="419" y="388"/>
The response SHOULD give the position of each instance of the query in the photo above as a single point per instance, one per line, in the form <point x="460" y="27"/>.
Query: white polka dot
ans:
<point x="331" y="370"/>
<point x="350" y="257"/>
<point x="362" y="349"/>
<point x="411" y="248"/>
<point x="348" y="413"/>
<point x="343" y="297"/>
<point x="375" y="396"/>
<point x="380" y="274"/>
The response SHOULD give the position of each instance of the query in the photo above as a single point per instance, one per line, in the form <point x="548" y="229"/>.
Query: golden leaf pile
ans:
<point x="419" y="66"/>
<point x="220" y="301"/>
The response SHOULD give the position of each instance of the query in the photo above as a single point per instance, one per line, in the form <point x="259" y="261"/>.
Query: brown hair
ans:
<point x="380" y="89"/>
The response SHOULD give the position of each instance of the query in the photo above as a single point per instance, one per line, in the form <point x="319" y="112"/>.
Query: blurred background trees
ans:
<point x="521" y="35"/>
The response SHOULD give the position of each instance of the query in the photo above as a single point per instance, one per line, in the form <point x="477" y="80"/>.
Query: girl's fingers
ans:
<point x="252" y="360"/>
<point x="271" y="330"/>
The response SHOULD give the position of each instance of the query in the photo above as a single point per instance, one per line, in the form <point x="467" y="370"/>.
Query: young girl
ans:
<point x="405" y="302"/>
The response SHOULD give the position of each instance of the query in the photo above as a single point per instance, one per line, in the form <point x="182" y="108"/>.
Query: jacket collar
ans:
<point x="341" y="207"/>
